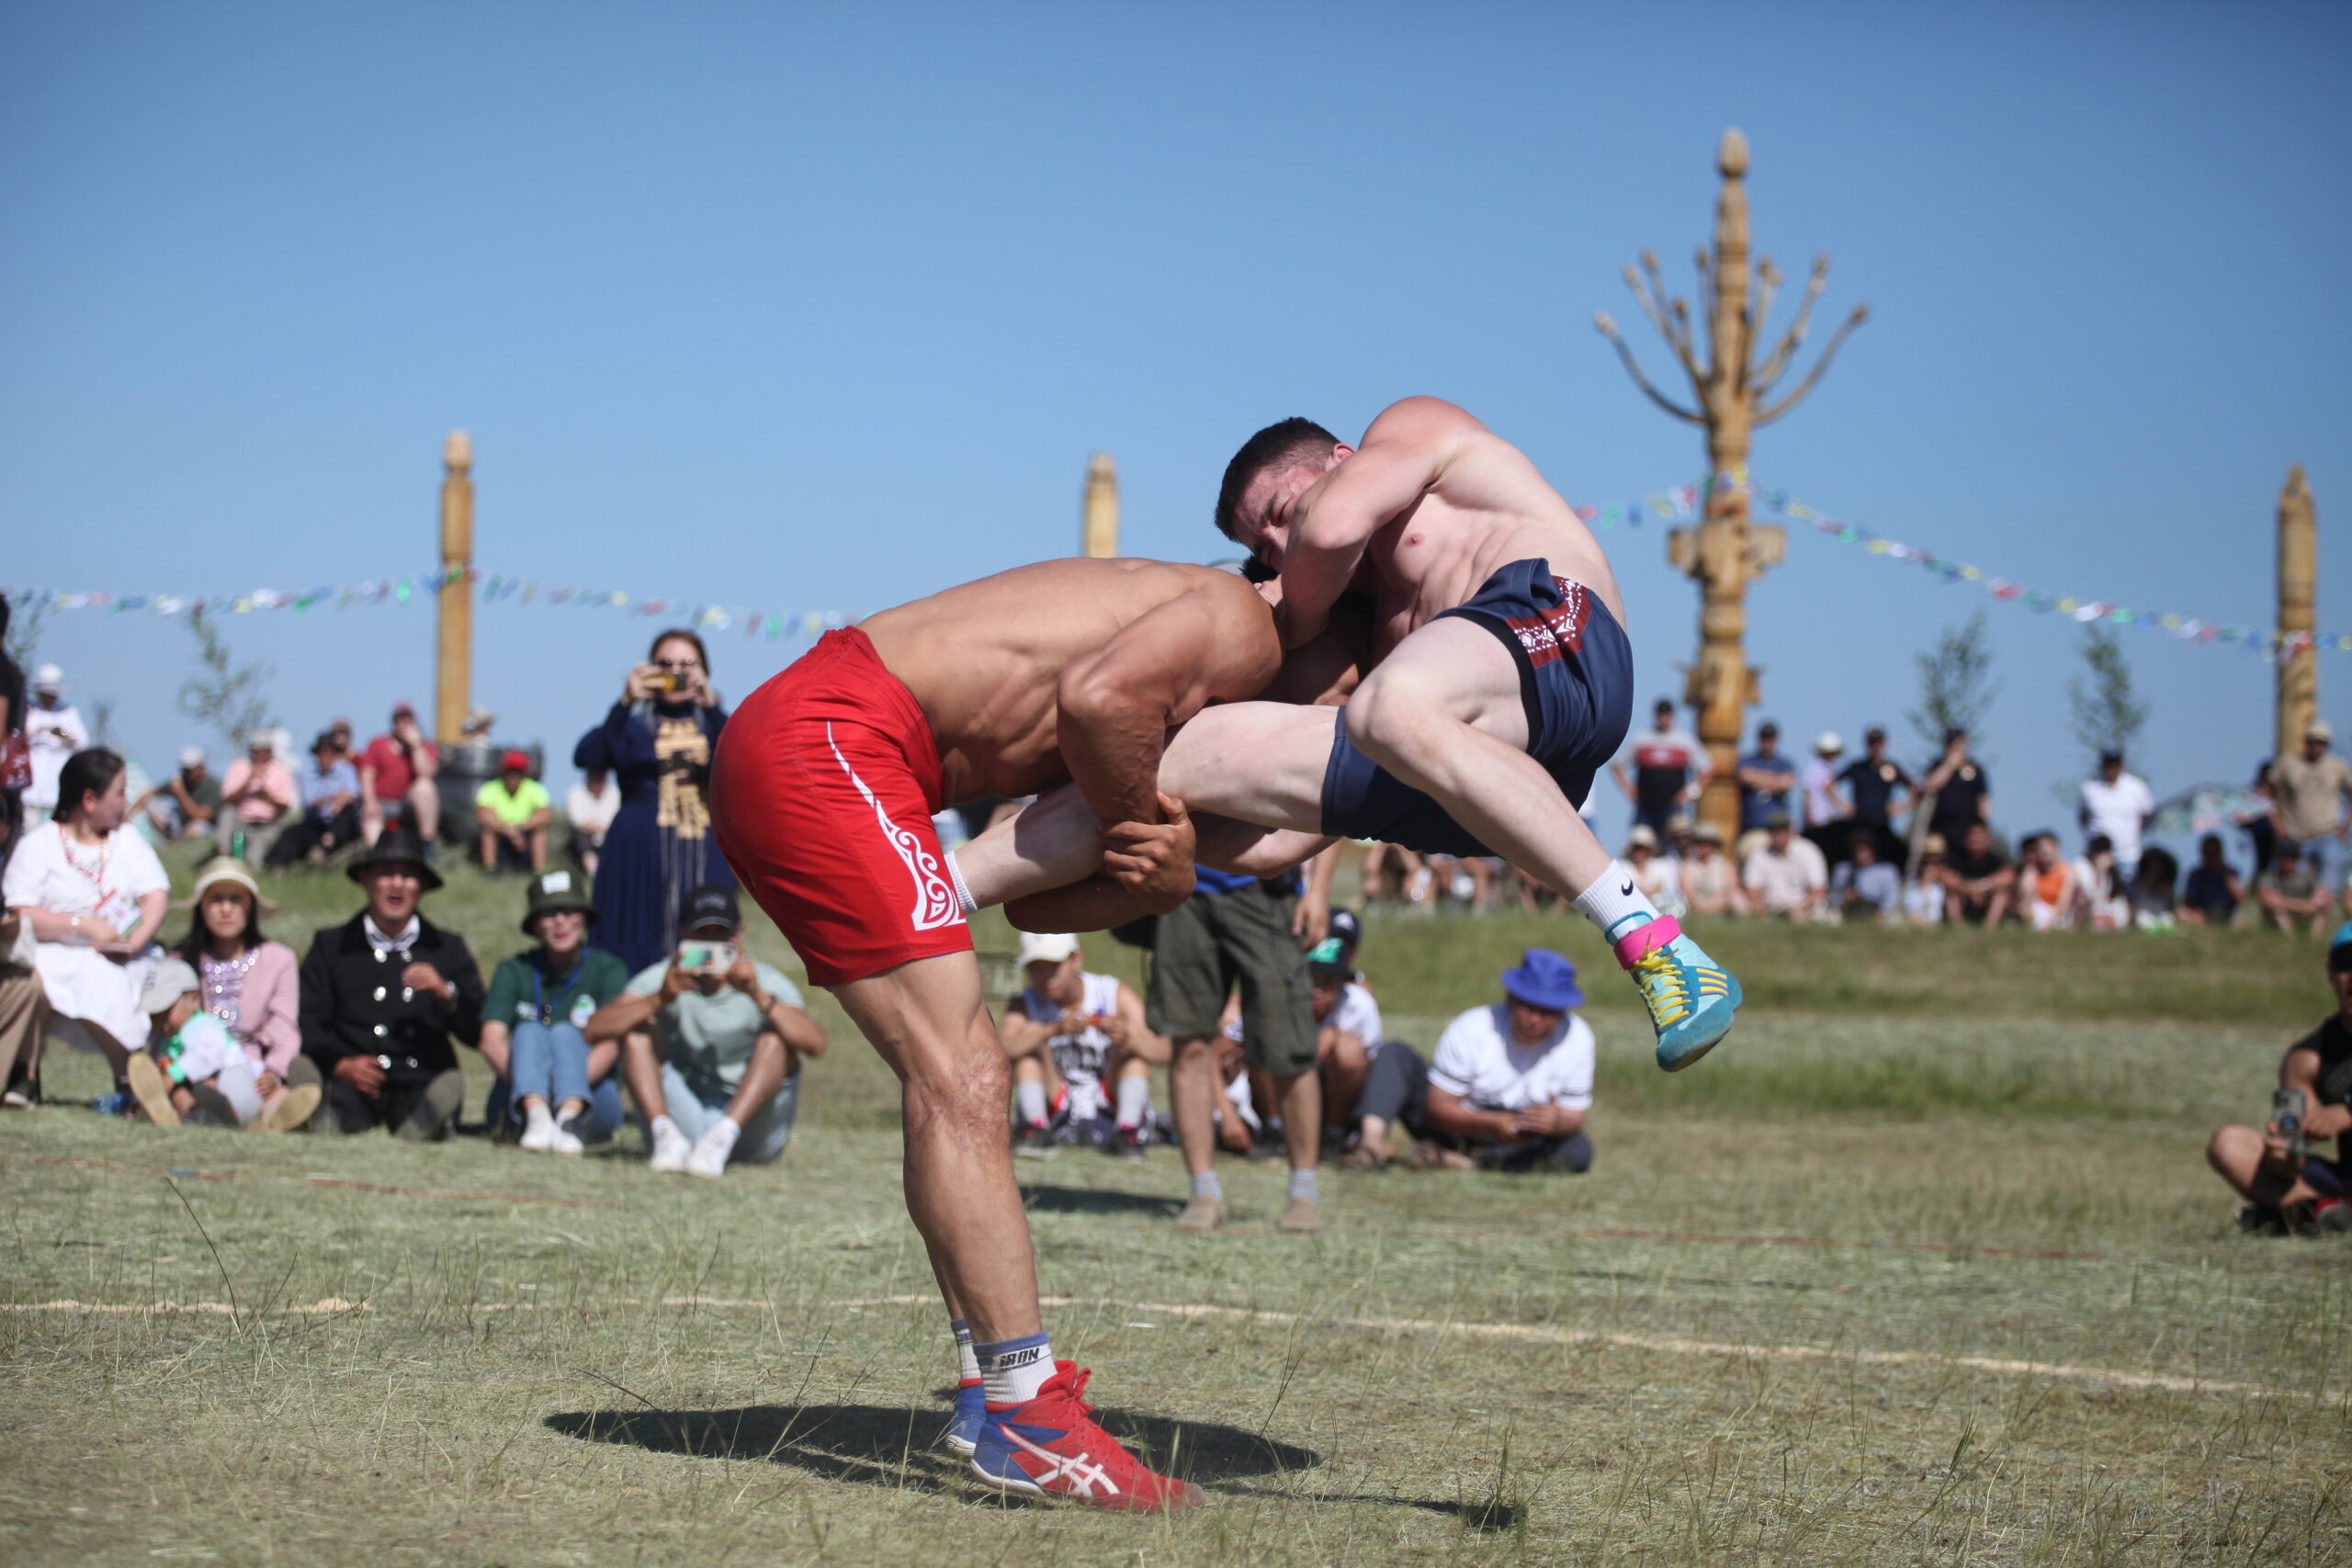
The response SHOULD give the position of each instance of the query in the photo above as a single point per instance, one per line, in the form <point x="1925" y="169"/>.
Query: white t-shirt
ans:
<point x="2118" y="811"/>
<point x="1818" y="779"/>
<point x="51" y="735"/>
<point x="593" y="814"/>
<point x="1083" y="1056"/>
<point x="1355" y="1013"/>
<point x="106" y="880"/>
<point x="1478" y="1062"/>
<point x="1661" y="883"/>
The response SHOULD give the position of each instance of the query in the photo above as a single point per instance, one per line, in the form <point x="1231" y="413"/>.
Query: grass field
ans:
<point x="1923" y="1266"/>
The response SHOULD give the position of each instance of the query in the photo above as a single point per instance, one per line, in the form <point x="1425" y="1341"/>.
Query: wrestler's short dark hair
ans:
<point x="1272" y="447"/>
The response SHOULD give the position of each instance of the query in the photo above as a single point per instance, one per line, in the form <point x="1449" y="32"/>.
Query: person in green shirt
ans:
<point x="562" y="1089"/>
<point x="711" y="1042"/>
<point x="514" y="812"/>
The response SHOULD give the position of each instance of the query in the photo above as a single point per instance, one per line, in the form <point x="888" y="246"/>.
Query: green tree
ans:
<point x="223" y="694"/>
<point x="1956" y="685"/>
<point x="2108" y="714"/>
<point x="24" y="632"/>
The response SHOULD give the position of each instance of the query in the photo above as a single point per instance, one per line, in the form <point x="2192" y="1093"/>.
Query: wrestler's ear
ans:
<point x="1341" y="453"/>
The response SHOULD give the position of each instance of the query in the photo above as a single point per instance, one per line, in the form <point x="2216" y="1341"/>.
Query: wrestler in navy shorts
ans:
<point x="1576" y="677"/>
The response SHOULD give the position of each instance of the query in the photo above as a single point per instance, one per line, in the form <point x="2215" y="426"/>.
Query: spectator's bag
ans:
<point x="16" y="762"/>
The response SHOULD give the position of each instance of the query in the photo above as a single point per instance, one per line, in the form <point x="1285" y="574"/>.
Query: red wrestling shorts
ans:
<point x="822" y="794"/>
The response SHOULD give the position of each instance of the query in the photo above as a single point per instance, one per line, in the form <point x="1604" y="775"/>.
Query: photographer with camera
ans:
<point x="711" y="1044"/>
<point x="2285" y="1185"/>
<point x="656" y="742"/>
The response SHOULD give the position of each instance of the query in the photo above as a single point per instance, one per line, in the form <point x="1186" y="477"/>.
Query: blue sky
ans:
<point x="824" y="308"/>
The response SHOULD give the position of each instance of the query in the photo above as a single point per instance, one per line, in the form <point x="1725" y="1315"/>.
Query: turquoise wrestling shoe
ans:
<point x="1692" y="997"/>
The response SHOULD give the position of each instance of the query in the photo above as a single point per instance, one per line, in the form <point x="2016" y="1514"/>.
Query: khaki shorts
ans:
<point x="1210" y="942"/>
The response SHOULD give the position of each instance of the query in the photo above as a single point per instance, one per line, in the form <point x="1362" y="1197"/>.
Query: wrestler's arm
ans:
<point x="1115" y="707"/>
<point x="1334" y="520"/>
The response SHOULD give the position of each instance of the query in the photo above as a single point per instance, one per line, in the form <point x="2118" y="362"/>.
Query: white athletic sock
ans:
<point x="566" y="1117"/>
<point x="1134" y="1096"/>
<point x="968" y="1363"/>
<point x="956" y="875"/>
<point x="1207" y="1185"/>
<point x="721" y="1134"/>
<point x="1031" y="1098"/>
<point x="1014" y="1370"/>
<point x="665" y="1128"/>
<point x="1615" y="903"/>
<point x="534" y="1118"/>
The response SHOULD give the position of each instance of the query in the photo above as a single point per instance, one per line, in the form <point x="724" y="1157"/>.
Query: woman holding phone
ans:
<point x="657" y="743"/>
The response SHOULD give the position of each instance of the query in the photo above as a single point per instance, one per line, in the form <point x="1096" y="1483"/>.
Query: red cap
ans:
<point x="515" y="761"/>
<point x="399" y="709"/>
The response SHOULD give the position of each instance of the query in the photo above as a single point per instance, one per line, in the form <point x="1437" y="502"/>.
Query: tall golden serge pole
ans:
<point x="1733" y="394"/>
<point x="2298" y="593"/>
<point x="1098" y="527"/>
<point x="453" y="692"/>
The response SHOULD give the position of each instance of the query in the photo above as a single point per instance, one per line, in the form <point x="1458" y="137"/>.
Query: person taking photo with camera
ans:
<point x="2287" y="1186"/>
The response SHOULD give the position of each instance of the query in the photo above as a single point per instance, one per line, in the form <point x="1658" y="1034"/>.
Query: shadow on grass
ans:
<point x="1086" y="1200"/>
<point x="878" y="1446"/>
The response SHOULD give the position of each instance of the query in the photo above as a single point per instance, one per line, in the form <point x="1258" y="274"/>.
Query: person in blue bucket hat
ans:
<point x="1508" y="1087"/>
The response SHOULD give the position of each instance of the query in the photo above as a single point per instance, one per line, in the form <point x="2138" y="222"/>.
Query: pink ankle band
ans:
<point x="1636" y="945"/>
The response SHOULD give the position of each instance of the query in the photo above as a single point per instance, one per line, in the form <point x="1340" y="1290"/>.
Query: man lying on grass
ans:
<point x="2285" y="1185"/>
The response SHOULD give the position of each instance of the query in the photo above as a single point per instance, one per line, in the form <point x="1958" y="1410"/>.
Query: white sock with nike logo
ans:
<point x="1615" y="903"/>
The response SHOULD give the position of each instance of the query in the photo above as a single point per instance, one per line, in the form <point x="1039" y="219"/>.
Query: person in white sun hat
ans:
<point x="53" y="731"/>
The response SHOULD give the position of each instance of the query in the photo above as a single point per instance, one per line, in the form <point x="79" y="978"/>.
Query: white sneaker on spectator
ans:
<point x="709" y="1157"/>
<point x="669" y="1149"/>
<point x="538" y="1134"/>
<point x="562" y="1140"/>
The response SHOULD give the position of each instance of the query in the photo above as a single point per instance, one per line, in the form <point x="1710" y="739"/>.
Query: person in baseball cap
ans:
<point x="186" y="804"/>
<point x="512" y="811"/>
<point x="712" y="1043"/>
<point x="1082" y="1055"/>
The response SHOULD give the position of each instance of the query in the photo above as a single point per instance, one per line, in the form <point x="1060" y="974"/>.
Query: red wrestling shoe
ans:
<point x="1050" y="1447"/>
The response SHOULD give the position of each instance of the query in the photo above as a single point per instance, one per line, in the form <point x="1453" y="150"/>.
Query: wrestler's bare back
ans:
<point x="985" y="660"/>
<point x="1484" y="506"/>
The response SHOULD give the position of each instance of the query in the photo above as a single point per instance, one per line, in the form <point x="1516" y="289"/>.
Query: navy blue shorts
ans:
<point x="1576" y="677"/>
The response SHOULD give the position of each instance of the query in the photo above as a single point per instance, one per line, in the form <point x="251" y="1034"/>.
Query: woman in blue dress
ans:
<point x="657" y="744"/>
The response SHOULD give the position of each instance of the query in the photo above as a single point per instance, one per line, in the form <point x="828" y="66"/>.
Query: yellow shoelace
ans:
<point x="1663" y="987"/>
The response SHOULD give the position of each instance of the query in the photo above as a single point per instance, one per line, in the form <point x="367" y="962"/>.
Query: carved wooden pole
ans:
<point x="454" y="693"/>
<point x="1098" y="531"/>
<point x="1731" y="397"/>
<point x="2298" y="593"/>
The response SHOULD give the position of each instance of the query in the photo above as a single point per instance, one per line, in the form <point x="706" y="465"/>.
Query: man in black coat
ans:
<point x="382" y="994"/>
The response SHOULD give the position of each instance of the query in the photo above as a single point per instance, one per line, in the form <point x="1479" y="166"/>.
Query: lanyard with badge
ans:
<point x="117" y="908"/>
<point x="583" y="1006"/>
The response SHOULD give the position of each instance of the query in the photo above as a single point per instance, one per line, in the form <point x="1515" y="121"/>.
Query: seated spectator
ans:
<point x="2154" y="906"/>
<point x="563" y="1090"/>
<point x="2107" y="905"/>
<point x="2288" y="892"/>
<point x="396" y="774"/>
<point x="1346" y="1028"/>
<point x="512" y="811"/>
<point x="2051" y="896"/>
<point x="383" y="994"/>
<point x="249" y="983"/>
<point x="589" y="807"/>
<point x="328" y="787"/>
<point x="24" y="1014"/>
<point x="257" y="799"/>
<point x="2213" y="892"/>
<point x="1709" y="885"/>
<point x="1923" y="896"/>
<point x="711" y="1045"/>
<point x="1659" y="878"/>
<point x="2286" y="1185"/>
<point x="1507" y="1089"/>
<point x="1979" y="882"/>
<point x="1766" y="780"/>
<point x="1879" y="788"/>
<point x="94" y="894"/>
<point x="1082" y="1055"/>
<point x="1786" y="875"/>
<point x="195" y="1071"/>
<point x="187" y="805"/>
<point x="1865" y="888"/>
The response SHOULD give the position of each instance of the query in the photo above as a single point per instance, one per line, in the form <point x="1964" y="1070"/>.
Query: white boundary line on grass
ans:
<point x="2169" y="1382"/>
<point x="1535" y="1333"/>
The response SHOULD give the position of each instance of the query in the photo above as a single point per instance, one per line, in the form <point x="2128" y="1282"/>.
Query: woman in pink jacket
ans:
<point x="248" y="981"/>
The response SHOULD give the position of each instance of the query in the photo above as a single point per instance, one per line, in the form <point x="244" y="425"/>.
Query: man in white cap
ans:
<point x="187" y="805"/>
<point x="53" y="731"/>
<point x="1081" y="1054"/>
<point x="257" y="799"/>
<point x="1829" y="815"/>
<point x="2311" y="787"/>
